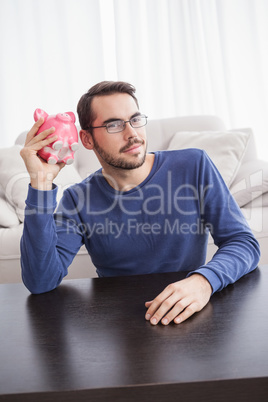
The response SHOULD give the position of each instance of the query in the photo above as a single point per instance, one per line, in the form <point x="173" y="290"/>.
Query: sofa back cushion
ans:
<point x="160" y="132"/>
<point x="225" y="148"/>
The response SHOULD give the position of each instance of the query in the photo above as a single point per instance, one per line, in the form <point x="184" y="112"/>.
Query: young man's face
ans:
<point x="126" y="149"/>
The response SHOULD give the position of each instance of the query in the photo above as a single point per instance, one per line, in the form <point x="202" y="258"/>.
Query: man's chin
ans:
<point x="124" y="161"/>
<point x="127" y="165"/>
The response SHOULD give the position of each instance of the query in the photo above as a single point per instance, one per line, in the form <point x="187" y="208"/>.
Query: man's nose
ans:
<point x="129" y="131"/>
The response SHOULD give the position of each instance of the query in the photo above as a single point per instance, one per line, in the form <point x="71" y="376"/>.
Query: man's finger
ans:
<point x="178" y="308"/>
<point x="154" y="304"/>
<point x="148" y="303"/>
<point x="42" y="136"/>
<point x="34" y="129"/>
<point x="188" y="312"/>
<point x="164" y="308"/>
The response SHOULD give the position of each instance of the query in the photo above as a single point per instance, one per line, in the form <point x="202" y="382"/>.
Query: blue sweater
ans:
<point x="160" y="226"/>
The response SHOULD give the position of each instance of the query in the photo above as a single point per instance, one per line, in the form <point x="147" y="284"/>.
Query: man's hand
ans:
<point x="41" y="173"/>
<point x="179" y="300"/>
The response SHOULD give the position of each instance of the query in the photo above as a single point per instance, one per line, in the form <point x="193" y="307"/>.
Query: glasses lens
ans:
<point x="115" y="126"/>
<point x="138" y="121"/>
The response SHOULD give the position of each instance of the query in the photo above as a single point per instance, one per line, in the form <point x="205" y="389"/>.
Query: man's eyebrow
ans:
<point x="110" y="120"/>
<point x="116" y="118"/>
<point x="135" y="115"/>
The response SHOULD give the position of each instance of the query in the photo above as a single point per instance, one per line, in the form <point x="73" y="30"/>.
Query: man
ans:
<point x="141" y="213"/>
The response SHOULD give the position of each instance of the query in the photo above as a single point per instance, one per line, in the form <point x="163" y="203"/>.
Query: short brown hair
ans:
<point x="84" y="109"/>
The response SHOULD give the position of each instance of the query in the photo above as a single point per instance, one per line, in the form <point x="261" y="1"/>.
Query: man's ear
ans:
<point x="86" y="139"/>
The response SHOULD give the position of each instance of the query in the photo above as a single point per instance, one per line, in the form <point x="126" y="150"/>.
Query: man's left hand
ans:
<point x="179" y="300"/>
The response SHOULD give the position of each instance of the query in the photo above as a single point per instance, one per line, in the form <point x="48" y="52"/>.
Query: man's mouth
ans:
<point x="132" y="148"/>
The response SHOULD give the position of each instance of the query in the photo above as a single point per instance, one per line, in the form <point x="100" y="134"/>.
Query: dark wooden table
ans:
<point x="88" y="341"/>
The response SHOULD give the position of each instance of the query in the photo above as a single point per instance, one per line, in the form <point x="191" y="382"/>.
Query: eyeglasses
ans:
<point x="117" y="126"/>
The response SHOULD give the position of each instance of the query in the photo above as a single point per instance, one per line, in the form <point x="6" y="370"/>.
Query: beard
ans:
<point x="121" y="163"/>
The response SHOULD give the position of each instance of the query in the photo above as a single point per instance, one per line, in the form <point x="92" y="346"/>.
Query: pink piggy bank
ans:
<point x="63" y="149"/>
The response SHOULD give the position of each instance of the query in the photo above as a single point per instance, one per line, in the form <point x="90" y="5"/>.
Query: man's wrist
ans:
<point x="42" y="183"/>
<point x="41" y="186"/>
<point x="204" y="281"/>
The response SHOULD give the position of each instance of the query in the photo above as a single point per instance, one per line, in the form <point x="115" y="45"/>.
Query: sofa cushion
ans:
<point x="8" y="216"/>
<point x="259" y="202"/>
<point x="251" y="182"/>
<point x="14" y="178"/>
<point x="251" y="151"/>
<point x="225" y="148"/>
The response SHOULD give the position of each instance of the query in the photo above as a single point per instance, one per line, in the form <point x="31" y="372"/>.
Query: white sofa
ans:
<point x="233" y="152"/>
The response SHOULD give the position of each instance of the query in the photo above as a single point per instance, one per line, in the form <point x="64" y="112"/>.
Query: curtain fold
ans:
<point x="184" y="57"/>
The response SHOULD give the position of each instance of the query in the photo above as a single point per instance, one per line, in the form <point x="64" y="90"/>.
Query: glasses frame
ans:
<point x="124" y="125"/>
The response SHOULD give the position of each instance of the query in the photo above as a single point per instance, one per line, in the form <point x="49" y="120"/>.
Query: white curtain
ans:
<point x="184" y="57"/>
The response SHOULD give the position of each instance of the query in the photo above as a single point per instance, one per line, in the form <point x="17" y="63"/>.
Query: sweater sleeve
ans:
<point x="47" y="248"/>
<point x="238" y="250"/>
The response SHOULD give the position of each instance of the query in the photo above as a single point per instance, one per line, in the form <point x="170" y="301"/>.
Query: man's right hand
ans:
<point x="41" y="173"/>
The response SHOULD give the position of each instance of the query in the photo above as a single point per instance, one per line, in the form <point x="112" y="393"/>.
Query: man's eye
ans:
<point x="136" y="119"/>
<point x="114" y="124"/>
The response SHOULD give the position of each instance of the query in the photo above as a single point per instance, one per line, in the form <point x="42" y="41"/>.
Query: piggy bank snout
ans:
<point x="65" y="117"/>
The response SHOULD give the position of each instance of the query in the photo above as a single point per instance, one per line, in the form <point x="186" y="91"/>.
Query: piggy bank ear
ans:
<point x="71" y="114"/>
<point x="40" y="113"/>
